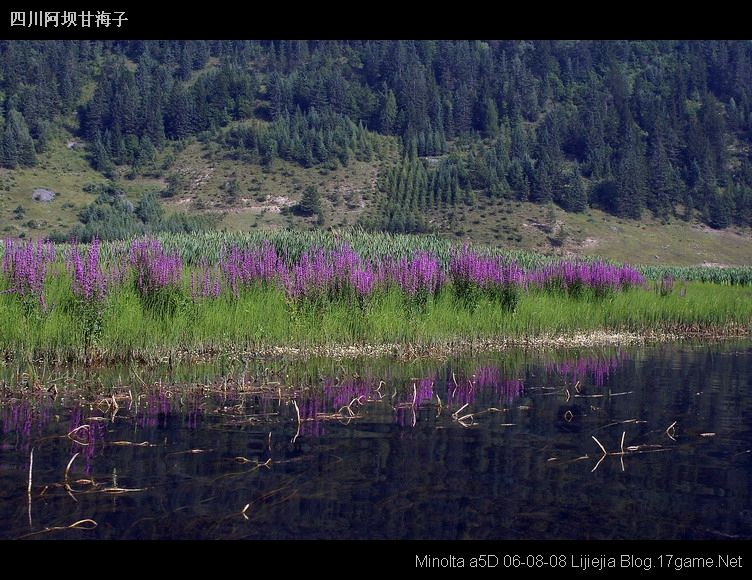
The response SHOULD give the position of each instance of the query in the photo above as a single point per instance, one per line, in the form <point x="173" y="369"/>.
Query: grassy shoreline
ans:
<point x="150" y="298"/>
<point x="261" y="322"/>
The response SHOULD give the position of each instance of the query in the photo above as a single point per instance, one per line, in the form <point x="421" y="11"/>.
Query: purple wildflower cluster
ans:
<point x="205" y="283"/>
<point x="25" y="266"/>
<point x="154" y="268"/>
<point x="338" y="273"/>
<point x="249" y="267"/>
<point x="117" y="271"/>
<point x="315" y="276"/>
<point x="89" y="280"/>
<point x="573" y="276"/>
<point x="421" y="274"/>
<point x="473" y="274"/>
<point x="320" y="274"/>
<point x="467" y="267"/>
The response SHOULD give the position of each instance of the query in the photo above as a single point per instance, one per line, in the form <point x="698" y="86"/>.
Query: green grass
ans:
<point x="261" y="192"/>
<point x="261" y="317"/>
<point x="347" y="194"/>
<point x="196" y="247"/>
<point x="530" y="227"/>
<point x="59" y="169"/>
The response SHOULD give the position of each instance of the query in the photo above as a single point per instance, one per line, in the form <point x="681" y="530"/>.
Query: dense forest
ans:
<point x="630" y="127"/>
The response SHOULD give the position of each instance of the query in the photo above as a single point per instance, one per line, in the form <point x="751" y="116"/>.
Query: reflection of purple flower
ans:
<point x="316" y="404"/>
<point x="423" y="391"/>
<point x="483" y="380"/>
<point x="152" y="406"/>
<point x="155" y="406"/>
<point x="89" y="437"/>
<point x="27" y="418"/>
<point x="596" y="367"/>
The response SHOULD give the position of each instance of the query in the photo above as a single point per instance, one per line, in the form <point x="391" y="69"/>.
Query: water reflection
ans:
<point x="488" y="447"/>
<point x="580" y="369"/>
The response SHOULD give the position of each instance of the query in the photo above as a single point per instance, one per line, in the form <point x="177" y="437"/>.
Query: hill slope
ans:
<point x="626" y="149"/>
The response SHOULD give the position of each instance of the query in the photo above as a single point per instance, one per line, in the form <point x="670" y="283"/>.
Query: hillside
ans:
<point x="637" y="151"/>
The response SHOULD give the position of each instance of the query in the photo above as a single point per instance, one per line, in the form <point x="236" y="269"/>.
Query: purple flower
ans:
<point x="154" y="268"/>
<point x="25" y="265"/>
<point x="89" y="280"/>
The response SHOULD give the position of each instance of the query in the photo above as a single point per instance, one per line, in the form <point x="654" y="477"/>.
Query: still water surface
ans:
<point x="494" y="447"/>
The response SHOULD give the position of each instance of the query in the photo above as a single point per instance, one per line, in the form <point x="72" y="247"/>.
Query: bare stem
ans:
<point x="599" y="445"/>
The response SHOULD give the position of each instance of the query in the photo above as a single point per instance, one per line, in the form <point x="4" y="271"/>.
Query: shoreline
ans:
<point x="478" y="346"/>
<point x="145" y="303"/>
<point x="405" y="351"/>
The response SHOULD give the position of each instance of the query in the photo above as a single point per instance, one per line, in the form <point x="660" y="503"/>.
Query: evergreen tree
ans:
<point x="101" y="158"/>
<point x="719" y="211"/>
<point x="310" y="204"/>
<point x="8" y="149"/>
<point x="631" y="187"/>
<point x="575" y="199"/>
<point x="544" y="183"/>
<point x="651" y="124"/>
<point x="663" y="179"/>
<point x="631" y="172"/>
<point x="489" y="122"/>
<point x="149" y="209"/>
<point x="20" y="139"/>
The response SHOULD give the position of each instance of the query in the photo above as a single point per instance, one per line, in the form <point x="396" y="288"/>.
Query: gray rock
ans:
<point x="44" y="195"/>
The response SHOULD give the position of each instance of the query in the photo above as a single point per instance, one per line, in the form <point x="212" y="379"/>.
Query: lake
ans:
<point x="494" y="446"/>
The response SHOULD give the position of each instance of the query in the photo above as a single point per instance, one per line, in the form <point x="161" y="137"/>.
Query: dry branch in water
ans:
<point x="86" y="524"/>
<point x="76" y="430"/>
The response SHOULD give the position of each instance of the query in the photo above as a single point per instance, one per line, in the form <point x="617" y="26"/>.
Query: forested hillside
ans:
<point x="649" y="129"/>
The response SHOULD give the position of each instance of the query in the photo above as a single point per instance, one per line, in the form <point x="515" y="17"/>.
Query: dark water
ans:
<point x="508" y="452"/>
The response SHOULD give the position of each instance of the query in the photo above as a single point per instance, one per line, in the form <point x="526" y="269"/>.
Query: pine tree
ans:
<point x="310" y="204"/>
<point x="576" y="198"/>
<point x="101" y="159"/>
<point x="388" y="116"/>
<point x="742" y="195"/>
<point x="149" y="209"/>
<point x="8" y="149"/>
<point x="719" y="211"/>
<point x="631" y="185"/>
<point x="544" y="183"/>
<point x="179" y="122"/>
<point x="631" y="173"/>
<point x="490" y="118"/>
<point x="24" y="144"/>
<point x="518" y="147"/>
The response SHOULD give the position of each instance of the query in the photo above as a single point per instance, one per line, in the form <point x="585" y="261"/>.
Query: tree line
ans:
<point x="629" y="126"/>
